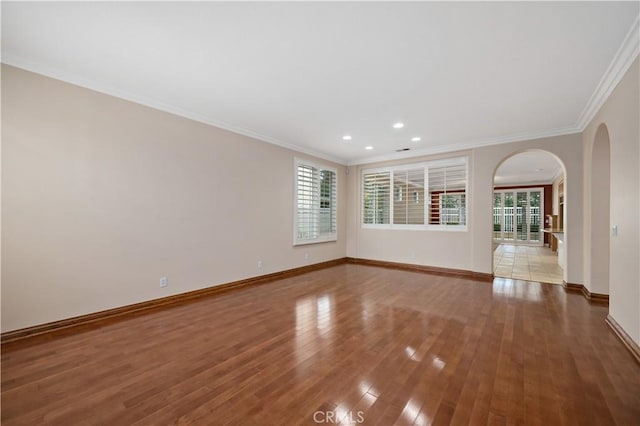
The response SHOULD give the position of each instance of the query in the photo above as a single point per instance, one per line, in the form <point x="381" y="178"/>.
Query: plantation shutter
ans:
<point x="408" y="197"/>
<point x="316" y="204"/>
<point x="308" y="203"/>
<point x="447" y="194"/>
<point x="327" y="202"/>
<point x="376" y="207"/>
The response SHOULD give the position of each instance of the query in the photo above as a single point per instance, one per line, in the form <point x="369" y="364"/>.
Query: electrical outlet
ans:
<point x="412" y="254"/>
<point x="259" y="264"/>
<point x="306" y="256"/>
<point x="164" y="281"/>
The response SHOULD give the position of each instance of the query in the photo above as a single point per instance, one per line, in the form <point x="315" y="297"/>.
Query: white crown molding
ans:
<point x="442" y="149"/>
<point x="155" y="104"/>
<point x="621" y="62"/>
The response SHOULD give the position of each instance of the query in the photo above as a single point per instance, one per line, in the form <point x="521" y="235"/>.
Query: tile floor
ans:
<point x="527" y="263"/>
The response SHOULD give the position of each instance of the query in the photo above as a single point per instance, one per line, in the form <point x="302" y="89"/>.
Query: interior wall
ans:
<point x="568" y="151"/>
<point x="101" y="197"/>
<point x="441" y="248"/>
<point x="621" y="115"/>
<point x="597" y="274"/>
<point x="555" y="189"/>
<point x="472" y="249"/>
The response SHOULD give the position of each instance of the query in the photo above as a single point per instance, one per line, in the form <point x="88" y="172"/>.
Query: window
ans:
<point x="419" y="196"/>
<point x="410" y="209"/>
<point x="315" y="204"/>
<point x="447" y="188"/>
<point x="376" y="197"/>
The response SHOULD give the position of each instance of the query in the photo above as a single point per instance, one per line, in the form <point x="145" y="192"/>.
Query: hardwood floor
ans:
<point x="352" y="342"/>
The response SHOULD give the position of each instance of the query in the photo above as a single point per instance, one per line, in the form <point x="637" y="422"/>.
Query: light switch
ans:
<point x="614" y="231"/>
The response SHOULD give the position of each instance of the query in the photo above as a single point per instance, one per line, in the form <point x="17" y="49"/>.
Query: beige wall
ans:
<point x="621" y="115"/>
<point x="447" y="249"/>
<point x="101" y="197"/>
<point x="472" y="249"/>
<point x="597" y="213"/>
<point x="568" y="150"/>
<point x="555" y="189"/>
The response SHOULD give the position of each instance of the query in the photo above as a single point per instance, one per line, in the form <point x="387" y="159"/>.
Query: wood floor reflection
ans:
<point x="350" y="344"/>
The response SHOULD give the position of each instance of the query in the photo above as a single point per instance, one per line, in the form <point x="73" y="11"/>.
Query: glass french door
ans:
<point x="517" y="216"/>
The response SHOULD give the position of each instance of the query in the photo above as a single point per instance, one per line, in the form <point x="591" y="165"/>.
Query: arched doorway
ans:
<point x="528" y="217"/>
<point x="598" y="276"/>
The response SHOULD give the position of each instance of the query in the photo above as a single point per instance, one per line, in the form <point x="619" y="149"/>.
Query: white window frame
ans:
<point x="325" y="236"/>
<point x="426" y="199"/>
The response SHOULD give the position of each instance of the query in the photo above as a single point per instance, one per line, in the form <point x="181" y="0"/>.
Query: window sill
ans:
<point x="327" y="239"/>
<point x="450" y="228"/>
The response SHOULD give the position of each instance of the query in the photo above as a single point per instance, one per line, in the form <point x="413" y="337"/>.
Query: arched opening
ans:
<point x="528" y="217"/>
<point x="598" y="279"/>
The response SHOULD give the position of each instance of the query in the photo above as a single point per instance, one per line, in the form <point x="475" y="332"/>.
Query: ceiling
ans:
<point x="528" y="168"/>
<point x="303" y="75"/>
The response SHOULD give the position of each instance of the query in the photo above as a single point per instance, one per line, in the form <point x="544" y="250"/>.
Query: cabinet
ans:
<point x="551" y="225"/>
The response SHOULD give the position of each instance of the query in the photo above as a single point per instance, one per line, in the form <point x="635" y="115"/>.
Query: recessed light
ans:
<point x="346" y="137"/>
<point x="416" y="139"/>
<point x="398" y="125"/>
<point x="368" y="148"/>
